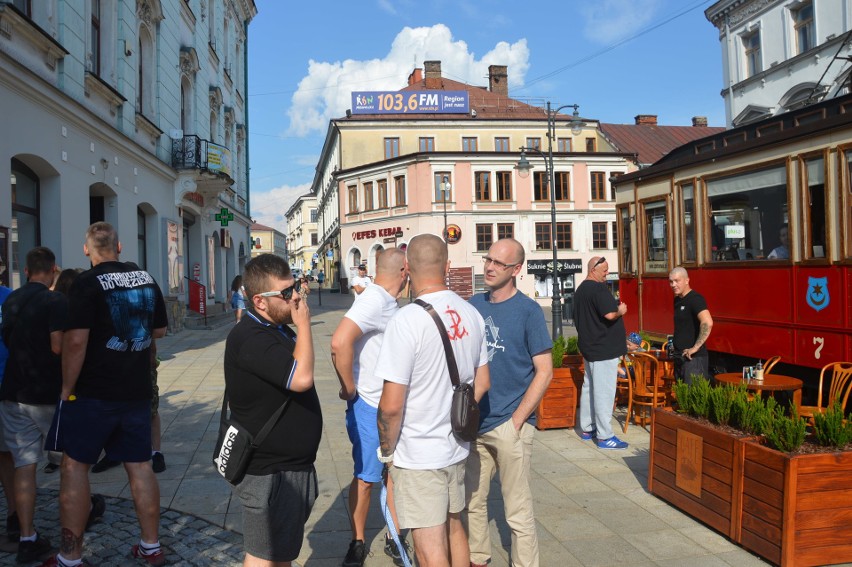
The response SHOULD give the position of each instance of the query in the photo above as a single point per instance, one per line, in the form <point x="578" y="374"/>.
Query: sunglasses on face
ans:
<point x="488" y="260"/>
<point x="286" y="293"/>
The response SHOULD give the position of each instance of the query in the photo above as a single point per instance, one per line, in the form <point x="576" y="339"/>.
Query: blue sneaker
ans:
<point x="611" y="443"/>
<point x="588" y="435"/>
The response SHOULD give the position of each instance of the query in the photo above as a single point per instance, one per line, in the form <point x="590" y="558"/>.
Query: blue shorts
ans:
<point x="84" y="427"/>
<point x="364" y="434"/>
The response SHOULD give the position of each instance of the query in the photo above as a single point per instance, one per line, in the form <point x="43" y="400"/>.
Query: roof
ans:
<point x="652" y="142"/>
<point x="258" y="226"/>
<point x="487" y="104"/>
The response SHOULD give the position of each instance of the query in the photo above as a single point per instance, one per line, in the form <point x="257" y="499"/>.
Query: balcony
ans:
<point x="211" y="164"/>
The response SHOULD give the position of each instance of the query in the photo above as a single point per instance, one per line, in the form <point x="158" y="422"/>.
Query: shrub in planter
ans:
<point x="558" y="351"/>
<point x="830" y="429"/>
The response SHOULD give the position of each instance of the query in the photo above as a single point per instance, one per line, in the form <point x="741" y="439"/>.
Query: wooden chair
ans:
<point x="645" y="389"/>
<point x="770" y="363"/>
<point x="622" y="384"/>
<point x="838" y="389"/>
<point x="645" y="345"/>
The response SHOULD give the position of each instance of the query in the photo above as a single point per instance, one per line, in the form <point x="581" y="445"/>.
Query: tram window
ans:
<point x="688" y="196"/>
<point x="626" y="241"/>
<point x="747" y="213"/>
<point x="848" y="203"/>
<point x="656" y="237"/>
<point x="814" y="208"/>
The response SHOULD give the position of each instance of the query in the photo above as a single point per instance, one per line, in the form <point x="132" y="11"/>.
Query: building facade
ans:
<point x="132" y="112"/>
<point x="386" y="177"/>
<point x="780" y="55"/>
<point x="267" y="240"/>
<point x="302" y="236"/>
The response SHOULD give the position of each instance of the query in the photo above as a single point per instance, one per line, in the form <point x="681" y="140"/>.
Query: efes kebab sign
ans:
<point x="410" y="102"/>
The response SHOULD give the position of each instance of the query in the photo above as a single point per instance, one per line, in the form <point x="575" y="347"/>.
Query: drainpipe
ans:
<point x="246" y="103"/>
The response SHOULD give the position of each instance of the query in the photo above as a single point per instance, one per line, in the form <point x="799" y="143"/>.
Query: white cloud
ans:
<point x="387" y="6"/>
<point x="325" y="92"/>
<point x="270" y="207"/>
<point x="608" y="21"/>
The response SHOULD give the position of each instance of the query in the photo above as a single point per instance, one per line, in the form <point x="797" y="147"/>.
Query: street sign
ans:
<point x="390" y="240"/>
<point x="330" y="254"/>
<point x="564" y="267"/>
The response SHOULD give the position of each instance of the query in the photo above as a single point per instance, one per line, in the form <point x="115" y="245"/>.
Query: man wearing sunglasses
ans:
<point x="266" y="363"/>
<point x="600" y="333"/>
<point x="521" y="369"/>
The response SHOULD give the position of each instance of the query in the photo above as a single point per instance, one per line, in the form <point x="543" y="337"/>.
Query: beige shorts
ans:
<point x="423" y="498"/>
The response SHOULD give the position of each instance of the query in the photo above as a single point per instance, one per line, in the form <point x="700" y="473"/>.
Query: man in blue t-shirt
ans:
<point x="521" y="369"/>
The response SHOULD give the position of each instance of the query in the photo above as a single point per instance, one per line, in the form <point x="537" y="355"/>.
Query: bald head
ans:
<point x="389" y="261"/>
<point x="679" y="273"/>
<point x="427" y="256"/>
<point x="512" y="247"/>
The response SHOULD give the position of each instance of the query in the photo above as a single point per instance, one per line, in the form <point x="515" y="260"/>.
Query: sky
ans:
<point x="615" y="58"/>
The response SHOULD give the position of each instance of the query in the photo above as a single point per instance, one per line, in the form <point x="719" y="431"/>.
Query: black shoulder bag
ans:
<point x="235" y="445"/>
<point x="464" y="414"/>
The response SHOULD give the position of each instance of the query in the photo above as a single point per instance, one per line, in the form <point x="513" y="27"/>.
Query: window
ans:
<point x="441" y="192"/>
<point x="534" y="143"/>
<point x="563" y="235"/>
<point x="482" y="187"/>
<point x="368" y="196"/>
<point x="813" y="209"/>
<point x="382" y="189"/>
<point x="598" y="186"/>
<point x="141" y="239"/>
<point x="470" y="145"/>
<point x="501" y="145"/>
<point x="353" y="199"/>
<point x="656" y="237"/>
<point x="540" y="192"/>
<point x="24" y="6"/>
<point x="626" y="240"/>
<point x="504" y="185"/>
<point x="688" y="227"/>
<point x="399" y="190"/>
<point x="484" y="237"/>
<point x="846" y="191"/>
<point x="591" y="144"/>
<point x="427" y="144"/>
<point x="563" y="145"/>
<point x="612" y="176"/>
<point x="95" y="36"/>
<point x="505" y="230"/>
<point x="751" y="45"/>
<point x="391" y="147"/>
<point x="803" y="24"/>
<point x="313" y="215"/>
<point x="26" y="230"/>
<point x="562" y="185"/>
<point x="747" y="212"/>
<point x="542" y="236"/>
<point x="599" y="235"/>
<point x="145" y="77"/>
<point x="314" y="240"/>
<point x="615" y="234"/>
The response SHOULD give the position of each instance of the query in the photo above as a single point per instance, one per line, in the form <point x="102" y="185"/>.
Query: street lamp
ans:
<point x="524" y="167"/>
<point x="445" y="191"/>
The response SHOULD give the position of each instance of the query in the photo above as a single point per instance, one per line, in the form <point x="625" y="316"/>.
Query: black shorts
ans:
<point x="85" y="426"/>
<point x="275" y="510"/>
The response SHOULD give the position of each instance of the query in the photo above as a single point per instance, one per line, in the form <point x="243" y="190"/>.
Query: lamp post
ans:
<point x="524" y="167"/>
<point x="446" y="186"/>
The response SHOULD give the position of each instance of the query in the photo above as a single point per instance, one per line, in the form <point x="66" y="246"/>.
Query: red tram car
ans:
<point x="761" y="218"/>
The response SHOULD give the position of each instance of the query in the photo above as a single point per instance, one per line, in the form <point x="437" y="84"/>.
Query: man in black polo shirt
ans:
<point x="266" y="362"/>
<point x="692" y="324"/>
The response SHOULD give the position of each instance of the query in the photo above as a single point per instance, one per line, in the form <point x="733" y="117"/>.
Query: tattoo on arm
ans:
<point x="384" y="432"/>
<point x="703" y="333"/>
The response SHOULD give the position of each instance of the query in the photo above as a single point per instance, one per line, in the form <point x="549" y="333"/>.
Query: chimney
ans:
<point x="646" y="119"/>
<point x="433" y="74"/>
<point x="416" y="76"/>
<point x="699" y="121"/>
<point x="498" y="79"/>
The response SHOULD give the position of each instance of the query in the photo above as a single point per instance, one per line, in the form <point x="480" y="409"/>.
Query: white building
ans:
<point x="779" y="55"/>
<point x="132" y="112"/>
<point x="302" y="233"/>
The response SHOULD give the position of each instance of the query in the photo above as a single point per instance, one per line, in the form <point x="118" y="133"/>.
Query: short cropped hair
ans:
<point x="260" y="269"/>
<point x="40" y="260"/>
<point x="103" y="237"/>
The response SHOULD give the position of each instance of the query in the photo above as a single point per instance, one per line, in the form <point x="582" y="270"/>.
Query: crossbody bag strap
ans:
<point x="267" y="427"/>
<point x="451" y="357"/>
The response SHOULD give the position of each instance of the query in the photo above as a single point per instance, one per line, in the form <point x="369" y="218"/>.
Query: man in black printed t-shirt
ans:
<point x="266" y="363"/>
<point x="115" y="312"/>
<point x="692" y="324"/>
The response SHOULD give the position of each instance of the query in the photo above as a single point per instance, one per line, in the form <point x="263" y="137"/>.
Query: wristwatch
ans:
<point x="382" y="458"/>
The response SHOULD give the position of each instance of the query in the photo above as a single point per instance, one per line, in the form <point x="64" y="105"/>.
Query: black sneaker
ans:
<point x="13" y="527"/>
<point x="356" y="555"/>
<point x="158" y="462"/>
<point x="392" y="550"/>
<point x="30" y="551"/>
<point x="104" y="465"/>
<point x="97" y="511"/>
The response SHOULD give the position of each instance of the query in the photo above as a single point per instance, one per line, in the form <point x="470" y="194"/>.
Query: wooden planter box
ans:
<point x="797" y="510"/>
<point x="697" y="469"/>
<point x="559" y="405"/>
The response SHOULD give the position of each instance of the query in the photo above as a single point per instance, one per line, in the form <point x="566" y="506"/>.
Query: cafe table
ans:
<point x="770" y="383"/>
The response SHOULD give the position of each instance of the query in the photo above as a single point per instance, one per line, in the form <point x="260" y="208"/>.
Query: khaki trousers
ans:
<point x="508" y="452"/>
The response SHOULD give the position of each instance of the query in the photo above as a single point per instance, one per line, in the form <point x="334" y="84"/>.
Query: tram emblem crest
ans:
<point x="818" y="297"/>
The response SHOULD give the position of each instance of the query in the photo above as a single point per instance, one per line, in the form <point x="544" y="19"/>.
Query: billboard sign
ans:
<point x="410" y="102"/>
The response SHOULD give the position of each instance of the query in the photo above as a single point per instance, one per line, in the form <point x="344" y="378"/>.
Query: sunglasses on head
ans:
<point x="599" y="262"/>
<point x="286" y="293"/>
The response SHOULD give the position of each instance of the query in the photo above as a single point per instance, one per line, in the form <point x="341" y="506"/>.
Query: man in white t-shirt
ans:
<point x="355" y="348"/>
<point x="427" y="458"/>
<point x="361" y="281"/>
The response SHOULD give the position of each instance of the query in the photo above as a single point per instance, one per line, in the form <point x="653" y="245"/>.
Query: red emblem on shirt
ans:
<point x="456" y="330"/>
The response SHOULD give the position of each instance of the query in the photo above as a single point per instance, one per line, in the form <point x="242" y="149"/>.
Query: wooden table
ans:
<point x="770" y="383"/>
